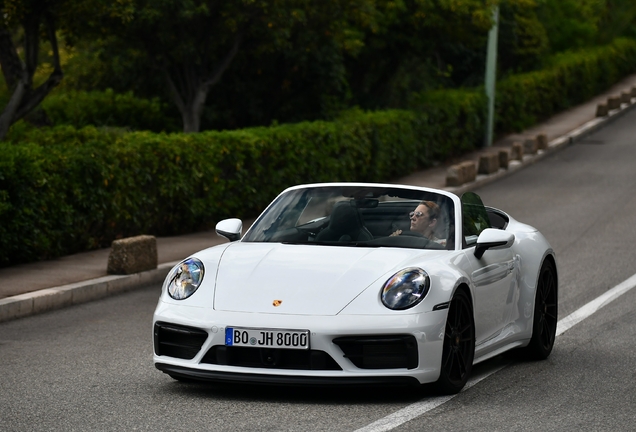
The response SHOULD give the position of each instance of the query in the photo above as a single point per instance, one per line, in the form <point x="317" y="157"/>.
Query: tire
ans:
<point x="459" y="345"/>
<point x="545" y="318"/>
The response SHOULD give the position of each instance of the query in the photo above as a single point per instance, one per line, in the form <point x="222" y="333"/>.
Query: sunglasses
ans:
<point x="418" y="214"/>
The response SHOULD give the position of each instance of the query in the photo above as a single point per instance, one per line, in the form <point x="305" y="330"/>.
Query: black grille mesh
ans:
<point x="178" y="341"/>
<point x="380" y="352"/>
<point x="274" y="358"/>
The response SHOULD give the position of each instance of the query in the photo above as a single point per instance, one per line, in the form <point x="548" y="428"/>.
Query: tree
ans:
<point x="570" y="24"/>
<point x="417" y="46"/>
<point x="617" y="19"/>
<point x="29" y="19"/>
<point x="191" y="44"/>
<point x="523" y="41"/>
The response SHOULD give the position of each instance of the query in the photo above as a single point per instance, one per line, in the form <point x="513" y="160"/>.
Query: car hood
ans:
<point x="305" y="279"/>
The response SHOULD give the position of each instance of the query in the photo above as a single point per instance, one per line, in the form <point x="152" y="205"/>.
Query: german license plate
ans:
<point x="266" y="338"/>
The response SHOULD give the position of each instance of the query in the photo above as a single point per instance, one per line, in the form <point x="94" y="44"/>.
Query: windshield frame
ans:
<point x="357" y="193"/>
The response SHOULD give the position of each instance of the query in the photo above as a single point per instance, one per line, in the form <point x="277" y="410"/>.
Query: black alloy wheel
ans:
<point x="545" y="314"/>
<point x="459" y="345"/>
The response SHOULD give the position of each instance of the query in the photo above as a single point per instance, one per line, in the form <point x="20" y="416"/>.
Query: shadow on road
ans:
<point x="317" y="394"/>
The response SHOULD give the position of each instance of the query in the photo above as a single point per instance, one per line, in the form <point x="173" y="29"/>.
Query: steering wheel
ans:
<point x="413" y="234"/>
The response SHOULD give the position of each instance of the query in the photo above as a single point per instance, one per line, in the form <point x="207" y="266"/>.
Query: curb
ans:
<point x="556" y="144"/>
<point x="80" y="292"/>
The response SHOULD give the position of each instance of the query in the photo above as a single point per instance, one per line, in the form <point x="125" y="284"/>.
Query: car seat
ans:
<point x="345" y="224"/>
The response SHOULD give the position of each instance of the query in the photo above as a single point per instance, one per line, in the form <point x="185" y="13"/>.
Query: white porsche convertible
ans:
<point x="354" y="283"/>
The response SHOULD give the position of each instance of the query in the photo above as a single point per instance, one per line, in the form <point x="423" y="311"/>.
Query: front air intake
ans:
<point x="380" y="352"/>
<point x="178" y="341"/>
<point x="272" y="358"/>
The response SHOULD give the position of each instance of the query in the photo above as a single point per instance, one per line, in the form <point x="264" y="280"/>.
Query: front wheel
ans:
<point x="459" y="345"/>
<point x="545" y="314"/>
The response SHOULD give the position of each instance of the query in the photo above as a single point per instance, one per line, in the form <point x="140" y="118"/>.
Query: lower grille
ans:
<point x="178" y="341"/>
<point x="380" y="352"/>
<point x="270" y="358"/>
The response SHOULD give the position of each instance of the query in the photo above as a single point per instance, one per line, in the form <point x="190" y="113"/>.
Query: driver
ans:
<point x="424" y="220"/>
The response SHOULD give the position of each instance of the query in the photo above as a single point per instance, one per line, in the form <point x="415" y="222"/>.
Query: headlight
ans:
<point x="405" y="289"/>
<point x="184" y="279"/>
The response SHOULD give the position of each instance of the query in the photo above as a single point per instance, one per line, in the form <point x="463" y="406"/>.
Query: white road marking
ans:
<point x="574" y="318"/>
<point x="419" y="408"/>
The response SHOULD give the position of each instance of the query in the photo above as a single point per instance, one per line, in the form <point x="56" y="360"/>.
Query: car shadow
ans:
<point x="321" y="395"/>
<point x="300" y="394"/>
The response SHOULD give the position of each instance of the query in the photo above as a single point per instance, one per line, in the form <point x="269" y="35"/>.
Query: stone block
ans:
<point x="542" y="141"/>
<point x="133" y="255"/>
<point x="488" y="163"/>
<point x="602" y="110"/>
<point x="461" y="173"/>
<point x="626" y="98"/>
<point x="469" y="169"/>
<point x="454" y="176"/>
<point x="613" y="102"/>
<point x="504" y="158"/>
<point x="530" y="146"/>
<point x="516" y="151"/>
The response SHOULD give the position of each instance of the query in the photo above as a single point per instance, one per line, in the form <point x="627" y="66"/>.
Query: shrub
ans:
<point x="65" y="190"/>
<point x="456" y="121"/>
<point x="107" y="108"/>
<point x="571" y="78"/>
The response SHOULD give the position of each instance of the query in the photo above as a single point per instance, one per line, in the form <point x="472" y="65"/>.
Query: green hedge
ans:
<point x="456" y="121"/>
<point x="65" y="190"/>
<point x="572" y="78"/>
<point x="107" y="108"/>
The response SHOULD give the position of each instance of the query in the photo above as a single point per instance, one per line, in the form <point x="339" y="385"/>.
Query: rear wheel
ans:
<point x="459" y="345"/>
<point x="545" y="314"/>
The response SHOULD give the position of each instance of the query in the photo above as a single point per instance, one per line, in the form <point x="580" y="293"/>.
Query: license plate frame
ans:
<point x="254" y="337"/>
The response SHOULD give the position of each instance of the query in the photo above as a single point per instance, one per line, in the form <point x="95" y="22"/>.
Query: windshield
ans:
<point x="358" y="216"/>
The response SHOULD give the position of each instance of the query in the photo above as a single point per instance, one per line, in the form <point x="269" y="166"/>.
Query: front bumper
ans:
<point x="268" y="379"/>
<point x="391" y="349"/>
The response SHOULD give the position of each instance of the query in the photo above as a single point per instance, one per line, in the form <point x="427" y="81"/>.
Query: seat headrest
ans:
<point x="344" y="218"/>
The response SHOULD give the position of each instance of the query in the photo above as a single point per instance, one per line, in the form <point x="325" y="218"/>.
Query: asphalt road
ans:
<point x="89" y="367"/>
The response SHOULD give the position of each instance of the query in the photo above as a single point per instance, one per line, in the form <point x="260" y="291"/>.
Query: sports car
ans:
<point x="363" y="284"/>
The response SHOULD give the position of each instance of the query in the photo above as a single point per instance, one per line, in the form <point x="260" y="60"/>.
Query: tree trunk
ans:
<point x="189" y="88"/>
<point x="19" y="76"/>
<point x="6" y="119"/>
<point x="191" y="115"/>
<point x="12" y="66"/>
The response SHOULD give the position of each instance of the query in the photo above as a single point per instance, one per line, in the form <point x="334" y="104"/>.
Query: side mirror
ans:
<point x="492" y="238"/>
<point x="230" y="229"/>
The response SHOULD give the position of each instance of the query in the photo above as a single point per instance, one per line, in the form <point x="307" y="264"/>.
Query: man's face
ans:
<point x="420" y="219"/>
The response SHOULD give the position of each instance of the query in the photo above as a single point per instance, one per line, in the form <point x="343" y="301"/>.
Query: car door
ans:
<point x="493" y="275"/>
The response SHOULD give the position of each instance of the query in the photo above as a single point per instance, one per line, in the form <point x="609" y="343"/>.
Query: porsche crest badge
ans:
<point x="277" y="303"/>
